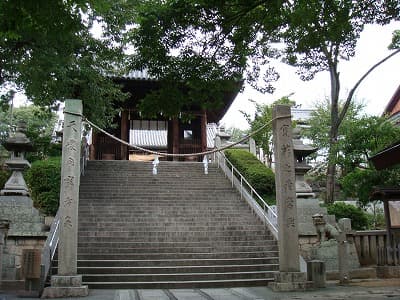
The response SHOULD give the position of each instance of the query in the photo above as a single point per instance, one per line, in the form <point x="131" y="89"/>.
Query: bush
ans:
<point x="4" y="175"/>
<point x="359" y="218"/>
<point x="43" y="179"/>
<point x="256" y="173"/>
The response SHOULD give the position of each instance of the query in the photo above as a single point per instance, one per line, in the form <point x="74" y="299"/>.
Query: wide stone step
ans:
<point x="175" y="249"/>
<point x="180" y="284"/>
<point x="183" y="219"/>
<point x="98" y="199"/>
<point x="176" y="276"/>
<point x="185" y="269"/>
<point x="88" y="254"/>
<point x="213" y="229"/>
<point x="186" y="244"/>
<point x="167" y="212"/>
<point x="178" y="234"/>
<point x="176" y="263"/>
<point x="163" y="239"/>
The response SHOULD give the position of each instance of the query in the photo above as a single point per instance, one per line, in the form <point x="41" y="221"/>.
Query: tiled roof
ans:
<point x="138" y="75"/>
<point x="300" y="114"/>
<point x="159" y="138"/>
<point x="148" y="138"/>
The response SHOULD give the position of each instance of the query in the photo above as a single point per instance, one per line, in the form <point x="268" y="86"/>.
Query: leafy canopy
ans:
<point x="47" y="49"/>
<point x="205" y="46"/>
<point x="40" y="125"/>
<point x="359" y="137"/>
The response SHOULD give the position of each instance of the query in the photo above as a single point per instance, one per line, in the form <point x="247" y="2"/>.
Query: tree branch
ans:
<point x="352" y="91"/>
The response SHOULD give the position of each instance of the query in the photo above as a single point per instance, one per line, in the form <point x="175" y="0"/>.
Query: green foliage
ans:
<point x="258" y="175"/>
<point x="236" y="134"/>
<point x="360" y="182"/>
<point x="263" y="116"/>
<point x="377" y="220"/>
<point x="49" y="51"/>
<point x="43" y="179"/>
<point x="359" y="219"/>
<point x="395" y="40"/>
<point x="321" y="122"/>
<point x="206" y="45"/>
<point x="359" y="138"/>
<point x="4" y="175"/>
<point x="40" y="125"/>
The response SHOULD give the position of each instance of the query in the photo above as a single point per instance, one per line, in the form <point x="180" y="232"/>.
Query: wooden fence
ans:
<point x="373" y="248"/>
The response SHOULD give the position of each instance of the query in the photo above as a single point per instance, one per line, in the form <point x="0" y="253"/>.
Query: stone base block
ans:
<point x="388" y="271"/>
<point x="66" y="281"/>
<point x="290" y="277"/>
<point x="290" y="281"/>
<point x="65" y="292"/>
<point x="316" y="273"/>
<point x="12" y="285"/>
<point x="66" y="286"/>
<point x="361" y="273"/>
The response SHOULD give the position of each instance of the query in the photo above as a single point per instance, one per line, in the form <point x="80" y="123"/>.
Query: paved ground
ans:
<point x="362" y="290"/>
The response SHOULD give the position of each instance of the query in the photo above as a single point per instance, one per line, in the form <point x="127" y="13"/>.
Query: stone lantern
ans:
<point x="301" y="151"/>
<point x="18" y="144"/>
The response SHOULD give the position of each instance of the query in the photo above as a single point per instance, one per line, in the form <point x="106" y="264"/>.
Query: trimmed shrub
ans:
<point x="43" y="179"/>
<point x="256" y="173"/>
<point x="359" y="218"/>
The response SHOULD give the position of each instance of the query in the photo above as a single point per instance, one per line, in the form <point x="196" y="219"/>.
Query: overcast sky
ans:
<point x="375" y="91"/>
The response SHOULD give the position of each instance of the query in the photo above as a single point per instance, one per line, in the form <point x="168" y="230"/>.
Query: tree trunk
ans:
<point x="333" y="134"/>
<point x="336" y="120"/>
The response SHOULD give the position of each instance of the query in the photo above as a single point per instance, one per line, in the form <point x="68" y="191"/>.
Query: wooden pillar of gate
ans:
<point x="203" y="128"/>
<point x="124" y="134"/>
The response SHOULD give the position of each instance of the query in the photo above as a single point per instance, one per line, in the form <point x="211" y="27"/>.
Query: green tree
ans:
<point x="263" y="116"/>
<point x="197" y="42"/>
<point x="47" y="49"/>
<point x="236" y="133"/>
<point x="359" y="137"/>
<point x="200" y="50"/>
<point x="40" y="126"/>
<point x="359" y="219"/>
<point x="318" y="34"/>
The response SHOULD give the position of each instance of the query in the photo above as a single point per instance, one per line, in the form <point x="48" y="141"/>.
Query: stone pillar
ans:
<point x="343" y="250"/>
<point x="4" y="227"/>
<point x="316" y="273"/>
<point x="252" y="144"/>
<point x="67" y="283"/>
<point x="289" y="277"/>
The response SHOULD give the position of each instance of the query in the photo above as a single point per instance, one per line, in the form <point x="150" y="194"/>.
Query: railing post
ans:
<point x="232" y="176"/>
<point x="241" y="187"/>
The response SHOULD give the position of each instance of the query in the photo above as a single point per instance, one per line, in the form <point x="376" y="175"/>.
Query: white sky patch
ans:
<point x="375" y="91"/>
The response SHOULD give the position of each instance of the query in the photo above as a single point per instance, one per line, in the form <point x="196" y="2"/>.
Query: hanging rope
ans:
<point x="177" y="154"/>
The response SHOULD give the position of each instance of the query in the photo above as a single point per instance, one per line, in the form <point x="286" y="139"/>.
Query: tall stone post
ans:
<point x="343" y="250"/>
<point x="289" y="277"/>
<point x="252" y="146"/>
<point x="4" y="227"/>
<point x="67" y="283"/>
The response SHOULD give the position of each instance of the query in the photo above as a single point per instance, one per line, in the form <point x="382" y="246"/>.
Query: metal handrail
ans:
<point x="264" y="211"/>
<point x="49" y="250"/>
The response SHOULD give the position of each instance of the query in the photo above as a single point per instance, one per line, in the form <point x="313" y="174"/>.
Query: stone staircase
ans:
<point x="177" y="229"/>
